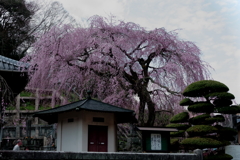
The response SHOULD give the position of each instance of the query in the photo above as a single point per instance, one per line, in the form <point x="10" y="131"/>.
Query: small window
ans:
<point x="98" y="119"/>
<point x="70" y="120"/>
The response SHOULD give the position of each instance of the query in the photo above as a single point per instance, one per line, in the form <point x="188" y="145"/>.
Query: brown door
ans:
<point x="97" y="138"/>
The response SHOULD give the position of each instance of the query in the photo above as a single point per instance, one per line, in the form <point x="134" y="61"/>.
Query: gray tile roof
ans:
<point x="8" y="64"/>
<point x="87" y="104"/>
<point x="13" y="73"/>
<point x="122" y="115"/>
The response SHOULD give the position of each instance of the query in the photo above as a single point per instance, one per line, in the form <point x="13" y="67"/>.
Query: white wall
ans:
<point x="73" y="136"/>
<point x="233" y="150"/>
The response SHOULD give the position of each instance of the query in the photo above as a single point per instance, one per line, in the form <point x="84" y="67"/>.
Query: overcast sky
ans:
<point x="214" y="26"/>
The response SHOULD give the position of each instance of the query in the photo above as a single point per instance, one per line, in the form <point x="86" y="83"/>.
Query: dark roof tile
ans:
<point x="122" y="115"/>
<point x="8" y="64"/>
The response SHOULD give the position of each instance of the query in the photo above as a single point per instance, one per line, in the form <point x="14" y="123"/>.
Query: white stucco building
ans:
<point x="87" y="125"/>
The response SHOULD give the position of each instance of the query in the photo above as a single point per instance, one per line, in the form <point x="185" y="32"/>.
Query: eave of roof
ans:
<point x="15" y="74"/>
<point x="86" y="104"/>
<point x="157" y="129"/>
<point x="11" y="65"/>
<point x="122" y="115"/>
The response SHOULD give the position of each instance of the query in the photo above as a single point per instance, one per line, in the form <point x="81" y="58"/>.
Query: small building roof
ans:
<point x="11" y="71"/>
<point x="157" y="129"/>
<point x="122" y="115"/>
<point x="11" y="65"/>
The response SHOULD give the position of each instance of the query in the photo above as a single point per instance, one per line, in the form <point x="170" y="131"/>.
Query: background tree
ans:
<point x="15" y="17"/>
<point x="6" y="97"/>
<point x="124" y="64"/>
<point x="209" y="97"/>
<point x="22" y="21"/>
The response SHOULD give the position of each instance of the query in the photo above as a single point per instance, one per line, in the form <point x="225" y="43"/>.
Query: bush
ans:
<point x="204" y="87"/>
<point x="178" y="126"/>
<point x="180" y="117"/>
<point x="174" y="141"/>
<point x="201" y="130"/>
<point x="185" y="102"/>
<point x="201" y="107"/>
<point x="217" y="118"/>
<point x="227" y="131"/>
<point x="221" y="95"/>
<point x="174" y="144"/>
<point x="222" y="102"/>
<point x="229" y="110"/>
<point x="180" y="133"/>
<point x="200" y="119"/>
<point x="201" y="143"/>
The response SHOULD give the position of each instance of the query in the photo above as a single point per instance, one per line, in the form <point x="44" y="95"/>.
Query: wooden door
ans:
<point x="97" y="138"/>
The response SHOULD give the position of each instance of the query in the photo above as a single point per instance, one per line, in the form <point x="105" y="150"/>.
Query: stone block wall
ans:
<point x="53" y="155"/>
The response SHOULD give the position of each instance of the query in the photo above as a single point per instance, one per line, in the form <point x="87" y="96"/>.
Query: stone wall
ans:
<point x="53" y="155"/>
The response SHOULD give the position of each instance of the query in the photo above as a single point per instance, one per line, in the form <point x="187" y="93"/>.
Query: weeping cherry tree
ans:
<point x="121" y="62"/>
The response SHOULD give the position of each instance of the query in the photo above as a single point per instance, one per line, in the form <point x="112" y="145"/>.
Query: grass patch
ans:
<point x="26" y="94"/>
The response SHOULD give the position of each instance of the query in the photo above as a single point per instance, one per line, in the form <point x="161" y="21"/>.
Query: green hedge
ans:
<point x="222" y="102"/>
<point x="227" y="131"/>
<point x="201" y="130"/>
<point x="180" y="117"/>
<point x="221" y="95"/>
<point x="204" y="87"/>
<point x="229" y="110"/>
<point x="200" y="119"/>
<point x="178" y="126"/>
<point x="201" y="143"/>
<point x="201" y="107"/>
<point x="217" y="118"/>
<point x="174" y="141"/>
<point x="225" y="142"/>
<point x="185" y="102"/>
<point x="180" y="133"/>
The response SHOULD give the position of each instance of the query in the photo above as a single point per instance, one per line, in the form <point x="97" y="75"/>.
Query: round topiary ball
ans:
<point x="204" y="87"/>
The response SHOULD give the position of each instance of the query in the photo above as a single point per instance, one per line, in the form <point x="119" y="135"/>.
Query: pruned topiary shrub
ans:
<point x="178" y="121"/>
<point x="201" y="107"/>
<point x="174" y="144"/>
<point x="221" y="95"/>
<point x="178" y="126"/>
<point x="179" y="133"/>
<point x="198" y="142"/>
<point x="204" y="87"/>
<point x="180" y="118"/>
<point x="229" y="110"/>
<point x="199" y="130"/>
<point x="199" y="119"/>
<point x="222" y="102"/>
<point x="186" y="102"/>
<point x="217" y="118"/>
<point x="217" y="100"/>
<point x="227" y="131"/>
